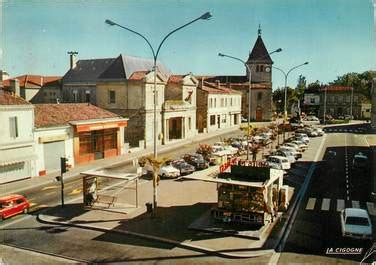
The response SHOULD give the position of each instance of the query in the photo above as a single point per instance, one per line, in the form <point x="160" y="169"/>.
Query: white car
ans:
<point x="301" y="145"/>
<point x="355" y="223"/>
<point x="278" y="162"/>
<point x="291" y="150"/>
<point x="319" y="131"/>
<point x="302" y="137"/>
<point x="295" y="146"/>
<point x="360" y="160"/>
<point x="290" y="157"/>
<point x="169" y="171"/>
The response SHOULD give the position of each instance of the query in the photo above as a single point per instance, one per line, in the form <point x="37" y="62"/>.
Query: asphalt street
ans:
<point x="334" y="185"/>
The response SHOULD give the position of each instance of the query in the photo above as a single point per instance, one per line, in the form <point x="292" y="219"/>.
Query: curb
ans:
<point x="255" y="253"/>
<point x="163" y="149"/>
<point x="58" y="257"/>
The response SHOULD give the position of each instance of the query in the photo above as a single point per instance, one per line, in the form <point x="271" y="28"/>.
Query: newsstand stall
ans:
<point x="248" y="193"/>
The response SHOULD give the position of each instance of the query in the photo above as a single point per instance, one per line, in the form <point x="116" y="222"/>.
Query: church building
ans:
<point x="260" y="65"/>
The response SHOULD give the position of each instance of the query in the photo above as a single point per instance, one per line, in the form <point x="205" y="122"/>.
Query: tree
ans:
<point x="156" y="164"/>
<point x="205" y="150"/>
<point x="254" y="148"/>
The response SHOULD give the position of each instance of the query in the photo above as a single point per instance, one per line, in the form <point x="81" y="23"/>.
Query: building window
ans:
<point x="85" y="143"/>
<point x="111" y="97"/>
<point x="312" y="100"/>
<point x="87" y="95"/>
<point x="215" y="103"/>
<point x="257" y="68"/>
<point x="75" y="96"/>
<point x="224" y="118"/>
<point x="259" y="95"/>
<point x="230" y="101"/>
<point x="110" y="139"/>
<point x="222" y="102"/>
<point x="212" y="119"/>
<point x="211" y="103"/>
<point x="189" y="123"/>
<point x="261" y="68"/>
<point x="13" y="127"/>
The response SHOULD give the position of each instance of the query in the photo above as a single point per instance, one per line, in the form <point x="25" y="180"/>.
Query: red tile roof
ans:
<point x="28" y="81"/>
<point x="138" y="75"/>
<point x="175" y="79"/>
<point x="47" y="115"/>
<point x="214" y="89"/>
<point x="7" y="98"/>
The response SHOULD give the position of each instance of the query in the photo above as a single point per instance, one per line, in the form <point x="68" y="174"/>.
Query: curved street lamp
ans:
<point x="286" y="75"/>
<point x="249" y="88"/>
<point x="155" y="53"/>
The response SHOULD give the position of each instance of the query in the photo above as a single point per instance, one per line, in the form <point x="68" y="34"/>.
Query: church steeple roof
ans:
<point x="259" y="51"/>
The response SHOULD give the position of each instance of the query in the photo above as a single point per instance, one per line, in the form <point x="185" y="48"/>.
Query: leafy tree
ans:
<point x="205" y="149"/>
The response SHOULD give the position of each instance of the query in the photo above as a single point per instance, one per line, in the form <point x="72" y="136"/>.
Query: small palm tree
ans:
<point x="254" y="148"/>
<point x="156" y="164"/>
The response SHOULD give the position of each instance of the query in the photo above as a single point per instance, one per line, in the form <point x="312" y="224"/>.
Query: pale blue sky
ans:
<point x="335" y="36"/>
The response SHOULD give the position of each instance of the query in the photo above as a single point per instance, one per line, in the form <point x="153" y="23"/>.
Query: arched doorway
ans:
<point x="258" y="113"/>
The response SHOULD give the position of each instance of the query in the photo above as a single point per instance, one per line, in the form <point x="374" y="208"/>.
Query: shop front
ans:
<point x="94" y="141"/>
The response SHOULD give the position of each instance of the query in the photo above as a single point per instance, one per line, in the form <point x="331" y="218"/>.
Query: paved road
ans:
<point x="334" y="185"/>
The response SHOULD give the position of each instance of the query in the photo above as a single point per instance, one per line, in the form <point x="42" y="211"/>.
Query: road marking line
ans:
<point x="355" y="204"/>
<point x="371" y="208"/>
<point x="311" y="204"/>
<point x="50" y="187"/>
<point x="75" y="191"/>
<point x="340" y="205"/>
<point x="325" y="205"/>
<point x="347" y="192"/>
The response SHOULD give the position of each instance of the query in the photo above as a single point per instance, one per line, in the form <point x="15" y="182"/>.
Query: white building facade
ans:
<point x="17" y="149"/>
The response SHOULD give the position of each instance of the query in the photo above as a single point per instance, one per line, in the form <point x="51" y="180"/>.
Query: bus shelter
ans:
<point x="102" y="188"/>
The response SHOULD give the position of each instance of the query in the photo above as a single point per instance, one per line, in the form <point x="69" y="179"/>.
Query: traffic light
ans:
<point x="63" y="165"/>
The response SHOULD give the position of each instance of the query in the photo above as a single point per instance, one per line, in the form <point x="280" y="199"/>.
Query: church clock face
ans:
<point x="267" y="69"/>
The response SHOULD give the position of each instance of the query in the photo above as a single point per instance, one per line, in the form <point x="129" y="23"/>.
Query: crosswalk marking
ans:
<point x="371" y="208"/>
<point x="311" y="204"/>
<point x="340" y="205"/>
<point x="325" y="205"/>
<point x="355" y="204"/>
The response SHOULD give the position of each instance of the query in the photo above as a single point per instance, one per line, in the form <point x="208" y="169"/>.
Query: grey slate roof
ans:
<point x="87" y="71"/>
<point x="259" y="52"/>
<point x="125" y="65"/>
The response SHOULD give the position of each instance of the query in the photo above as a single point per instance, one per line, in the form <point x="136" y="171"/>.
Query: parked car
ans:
<point x="12" y="205"/>
<point x="290" y="156"/>
<point x="301" y="144"/>
<point x="360" y="161"/>
<point x="278" y="162"/>
<point x="296" y="154"/>
<point x="319" y="131"/>
<point x="183" y="166"/>
<point x="295" y="146"/>
<point x="168" y="171"/>
<point x="355" y="223"/>
<point x="302" y="137"/>
<point x="312" y="118"/>
<point x="196" y="160"/>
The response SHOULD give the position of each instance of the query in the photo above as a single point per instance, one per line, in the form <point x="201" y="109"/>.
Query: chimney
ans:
<point x="72" y="59"/>
<point x="202" y="82"/>
<point x="15" y="86"/>
<point x="218" y="83"/>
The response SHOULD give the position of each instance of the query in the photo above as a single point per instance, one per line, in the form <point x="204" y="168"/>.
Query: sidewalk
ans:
<point x="177" y="210"/>
<point x="34" y="182"/>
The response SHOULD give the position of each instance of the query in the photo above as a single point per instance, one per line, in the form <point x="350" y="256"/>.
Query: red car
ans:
<point x="12" y="205"/>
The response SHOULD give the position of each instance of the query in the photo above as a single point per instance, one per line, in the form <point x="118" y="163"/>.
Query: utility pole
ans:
<point x="325" y="106"/>
<point x="63" y="169"/>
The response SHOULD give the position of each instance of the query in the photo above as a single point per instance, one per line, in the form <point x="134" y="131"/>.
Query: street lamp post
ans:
<point x="285" y="107"/>
<point x="205" y="16"/>
<point x="249" y="89"/>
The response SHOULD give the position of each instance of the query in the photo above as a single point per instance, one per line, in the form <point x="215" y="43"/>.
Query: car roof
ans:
<point x="361" y="155"/>
<point x="11" y="197"/>
<point x="356" y="212"/>
<point x="279" y="157"/>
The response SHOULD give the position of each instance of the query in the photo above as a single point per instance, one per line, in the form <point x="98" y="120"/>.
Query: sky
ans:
<point x="335" y="37"/>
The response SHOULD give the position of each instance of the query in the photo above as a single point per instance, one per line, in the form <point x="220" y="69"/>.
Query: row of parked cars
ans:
<point x="293" y="149"/>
